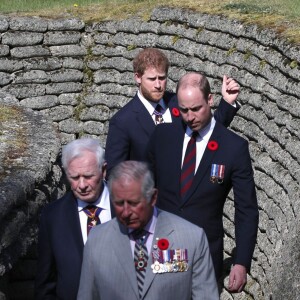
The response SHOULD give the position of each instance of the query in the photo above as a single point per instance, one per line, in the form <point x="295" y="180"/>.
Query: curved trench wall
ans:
<point x="80" y="74"/>
<point x="30" y="176"/>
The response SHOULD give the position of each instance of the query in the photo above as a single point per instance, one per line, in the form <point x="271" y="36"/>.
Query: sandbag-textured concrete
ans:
<point x="30" y="176"/>
<point x="80" y="74"/>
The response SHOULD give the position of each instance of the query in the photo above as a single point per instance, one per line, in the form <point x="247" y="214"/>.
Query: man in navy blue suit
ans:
<point x="65" y="223"/>
<point x="131" y="127"/>
<point x="218" y="161"/>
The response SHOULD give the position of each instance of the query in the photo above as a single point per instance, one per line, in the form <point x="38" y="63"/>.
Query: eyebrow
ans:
<point x="189" y="108"/>
<point x="153" y="77"/>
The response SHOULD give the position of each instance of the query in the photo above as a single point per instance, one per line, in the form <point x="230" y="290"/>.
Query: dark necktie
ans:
<point x="140" y="256"/>
<point x="188" y="166"/>
<point x="92" y="212"/>
<point x="158" y="112"/>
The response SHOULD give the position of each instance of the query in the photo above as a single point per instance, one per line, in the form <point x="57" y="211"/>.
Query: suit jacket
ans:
<point x="108" y="270"/>
<point x="131" y="127"/>
<point x="60" y="250"/>
<point x="203" y="205"/>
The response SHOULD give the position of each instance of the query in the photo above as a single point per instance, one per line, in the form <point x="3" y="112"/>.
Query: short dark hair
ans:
<point x="150" y="58"/>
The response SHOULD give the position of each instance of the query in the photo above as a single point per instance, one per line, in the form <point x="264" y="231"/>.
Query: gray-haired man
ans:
<point x="66" y="222"/>
<point x="145" y="253"/>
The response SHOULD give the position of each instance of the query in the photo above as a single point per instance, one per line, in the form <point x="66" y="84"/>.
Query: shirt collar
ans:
<point x="150" y="106"/>
<point x="205" y="132"/>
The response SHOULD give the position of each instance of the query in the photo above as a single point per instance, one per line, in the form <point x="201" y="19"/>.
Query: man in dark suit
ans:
<point x="195" y="187"/>
<point x="131" y="127"/>
<point x="145" y="253"/>
<point x="65" y="223"/>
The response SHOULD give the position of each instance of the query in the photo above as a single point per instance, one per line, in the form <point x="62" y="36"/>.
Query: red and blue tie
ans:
<point x="92" y="212"/>
<point x="188" y="166"/>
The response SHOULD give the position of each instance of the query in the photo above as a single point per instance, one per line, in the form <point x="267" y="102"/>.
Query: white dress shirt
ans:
<point x="201" y="141"/>
<point x="104" y="216"/>
<point x="150" y="106"/>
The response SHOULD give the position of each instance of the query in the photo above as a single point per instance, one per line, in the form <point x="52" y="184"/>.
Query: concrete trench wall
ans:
<point x="79" y="75"/>
<point x="30" y="176"/>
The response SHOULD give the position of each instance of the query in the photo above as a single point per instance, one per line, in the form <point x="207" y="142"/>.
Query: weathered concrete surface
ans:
<point x="80" y="74"/>
<point x="29" y="177"/>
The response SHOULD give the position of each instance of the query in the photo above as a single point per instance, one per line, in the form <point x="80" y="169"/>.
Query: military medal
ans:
<point x="168" y="260"/>
<point x="141" y="259"/>
<point x="221" y="173"/>
<point x="217" y="173"/>
<point x="156" y="267"/>
<point x="213" y="173"/>
<point x="159" y="119"/>
<point x="141" y="262"/>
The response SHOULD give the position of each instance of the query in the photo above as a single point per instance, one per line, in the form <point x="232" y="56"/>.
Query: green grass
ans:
<point x="288" y="8"/>
<point x="281" y="15"/>
<point x="38" y="5"/>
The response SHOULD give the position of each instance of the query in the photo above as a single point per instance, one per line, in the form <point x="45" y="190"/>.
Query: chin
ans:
<point x="156" y="97"/>
<point x="156" y="100"/>
<point x="196" y="127"/>
<point x="87" y="199"/>
<point x="132" y="226"/>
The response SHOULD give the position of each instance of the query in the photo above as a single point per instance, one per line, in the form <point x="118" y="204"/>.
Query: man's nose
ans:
<point x="126" y="210"/>
<point x="157" y="83"/>
<point x="190" y="116"/>
<point x="82" y="183"/>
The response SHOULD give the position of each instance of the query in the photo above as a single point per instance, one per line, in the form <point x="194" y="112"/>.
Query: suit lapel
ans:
<point x="171" y="103"/>
<point x="205" y="162"/>
<point x="179" y="132"/>
<point x="71" y="220"/>
<point x="122" y="249"/>
<point x="163" y="229"/>
<point x="145" y="120"/>
<point x="142" y="116"/>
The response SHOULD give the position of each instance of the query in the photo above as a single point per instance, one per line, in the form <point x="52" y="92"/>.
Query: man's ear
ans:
<point x="210" y="100"/>
<point x="154" y="197"/>
<point x="103" y="170"/>
<point x="138" y="78"/>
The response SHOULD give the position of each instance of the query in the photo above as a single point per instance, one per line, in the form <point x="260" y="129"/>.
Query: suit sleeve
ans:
<point x="204" y="285"/>
<point x="45" y="281"/>
<point x="225" y="112"/>
<point x="87" y="288"/>
<point x="117" y="144"/>
<point x="246" y="208"/>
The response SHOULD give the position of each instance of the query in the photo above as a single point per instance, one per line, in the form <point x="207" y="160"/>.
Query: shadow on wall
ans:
<point x="30" y="176"/>
<point x="80" y="74"/>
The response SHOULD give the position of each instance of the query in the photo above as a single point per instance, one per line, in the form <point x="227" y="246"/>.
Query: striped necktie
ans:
<point x="188" y="166"/>
<point x="140" y="256"/>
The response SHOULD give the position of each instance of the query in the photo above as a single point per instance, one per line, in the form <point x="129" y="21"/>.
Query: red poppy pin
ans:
<point x="175" y="112"/>
<point x="163" y="244"/>
<point x="212" y="145"/>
